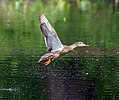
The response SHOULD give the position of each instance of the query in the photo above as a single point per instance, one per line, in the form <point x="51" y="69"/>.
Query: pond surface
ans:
<point x="90" y="73"/>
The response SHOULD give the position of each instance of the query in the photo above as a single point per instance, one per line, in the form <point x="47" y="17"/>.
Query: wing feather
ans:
<point x="52" y="41"/>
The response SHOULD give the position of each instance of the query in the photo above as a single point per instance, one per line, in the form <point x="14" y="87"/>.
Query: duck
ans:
<point x="55" y="48"/>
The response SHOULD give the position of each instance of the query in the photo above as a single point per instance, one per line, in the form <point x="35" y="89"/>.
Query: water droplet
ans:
<point x="97" y="59"/>
<point x="64" y="19"/>
<point x="86" y="73"/>
<point x="87" y="51"/>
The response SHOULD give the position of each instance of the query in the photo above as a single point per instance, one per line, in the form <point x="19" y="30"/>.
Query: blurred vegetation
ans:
<point x="88" y="21"/>
<point x="95" y="22"/>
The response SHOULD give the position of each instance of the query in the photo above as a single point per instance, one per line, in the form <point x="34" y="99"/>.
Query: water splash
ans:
<point x="8" y="89"/>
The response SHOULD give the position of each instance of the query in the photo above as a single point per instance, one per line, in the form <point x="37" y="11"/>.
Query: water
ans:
<point x="85" y="74"/>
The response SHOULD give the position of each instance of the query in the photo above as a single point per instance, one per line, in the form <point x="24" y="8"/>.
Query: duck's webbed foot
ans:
<point x="46" y="58"/>
<point x="49" y="57"/>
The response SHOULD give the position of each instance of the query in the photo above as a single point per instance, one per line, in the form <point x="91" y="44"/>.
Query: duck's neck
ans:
<point x="73" y="46"/>
<point x="68" y="48"/>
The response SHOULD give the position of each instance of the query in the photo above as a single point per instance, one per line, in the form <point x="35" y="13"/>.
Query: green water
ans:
<point x="21" y="45"/>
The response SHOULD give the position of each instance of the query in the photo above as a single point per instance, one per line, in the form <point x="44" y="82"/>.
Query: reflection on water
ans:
<point x="72" y="78"/>
<point x="84" y="74"/>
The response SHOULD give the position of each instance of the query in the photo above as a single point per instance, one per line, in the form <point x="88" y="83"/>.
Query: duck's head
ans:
<point x="80" y="44"/>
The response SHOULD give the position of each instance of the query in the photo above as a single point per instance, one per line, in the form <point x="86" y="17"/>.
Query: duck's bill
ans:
<point x="86" y="45"/>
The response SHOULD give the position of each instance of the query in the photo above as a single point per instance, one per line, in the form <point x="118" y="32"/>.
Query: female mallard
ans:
<point x="53" y="43"/>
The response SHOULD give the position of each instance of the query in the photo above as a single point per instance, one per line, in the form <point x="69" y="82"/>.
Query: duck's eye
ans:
<point x="80" y="42"/>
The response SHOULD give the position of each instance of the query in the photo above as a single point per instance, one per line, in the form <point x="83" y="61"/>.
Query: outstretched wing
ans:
<point x="51" y="39"/>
